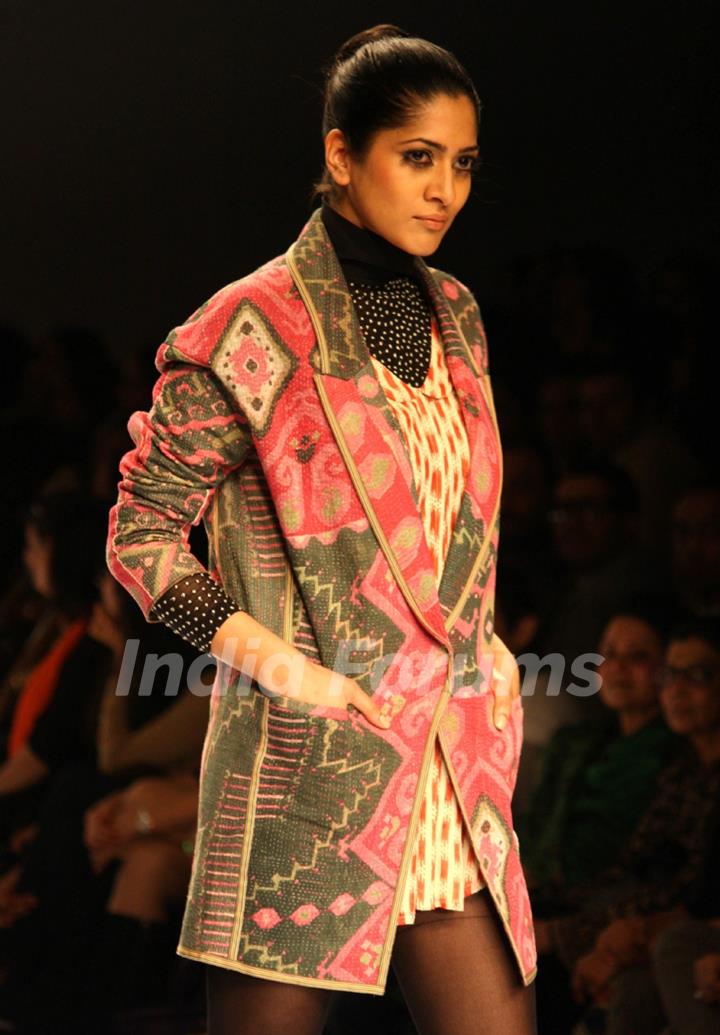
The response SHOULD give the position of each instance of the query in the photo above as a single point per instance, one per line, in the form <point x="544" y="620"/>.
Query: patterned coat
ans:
<point x="268" y="423"/>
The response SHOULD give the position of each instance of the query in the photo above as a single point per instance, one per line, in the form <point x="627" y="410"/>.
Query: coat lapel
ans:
<point x="371" y="440"/>
<point x="475" y="534"/>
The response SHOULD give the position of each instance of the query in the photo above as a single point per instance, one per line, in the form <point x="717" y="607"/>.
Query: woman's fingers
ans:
<point x="357" y="697"/>
<point x="322" y="686"/>
<point x="501" y="702"/>
<point x="506" y="685"/>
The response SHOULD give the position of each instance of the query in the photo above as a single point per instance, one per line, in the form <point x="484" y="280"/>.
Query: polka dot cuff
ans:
<point x="195" y="608"/>
<point x="395" y="320"/>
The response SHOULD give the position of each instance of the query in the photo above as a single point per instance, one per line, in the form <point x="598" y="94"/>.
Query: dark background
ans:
<point x="155" y="151"/>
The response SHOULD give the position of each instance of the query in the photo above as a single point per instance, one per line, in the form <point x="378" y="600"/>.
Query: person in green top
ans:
<point x="597" y="777"/>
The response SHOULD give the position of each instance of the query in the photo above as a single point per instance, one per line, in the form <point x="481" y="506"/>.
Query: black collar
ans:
<point x="365" y="256"/>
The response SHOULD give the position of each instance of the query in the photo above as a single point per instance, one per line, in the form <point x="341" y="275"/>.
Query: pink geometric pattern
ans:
<point x="266" y="918"/>
<point x="376" y="893"/>
<point x="305" y="914"/>
<point x="342" y="904"/>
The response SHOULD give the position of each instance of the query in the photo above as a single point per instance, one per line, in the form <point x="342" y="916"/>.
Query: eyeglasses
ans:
<point x="695" y="675"/>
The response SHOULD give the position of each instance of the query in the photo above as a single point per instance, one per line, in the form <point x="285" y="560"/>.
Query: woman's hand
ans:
<point x="280" y="668"/>
<point x="306" y="680"/>
<point x="505" y="683"/>
<point x="164" y="805"/>
<point x="100" y="835"/>
<point x="623" y="943"/>
<point x="625" y="940"/>
<point x="14" y="903"/>
<point x="592" y="975"/>
<point x="707" y="978"/>
<point x="161" y="805"/>
<point x="21" y="837"/>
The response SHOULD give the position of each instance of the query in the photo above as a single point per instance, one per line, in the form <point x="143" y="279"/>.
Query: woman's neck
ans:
<point x="364" y="254"/>
<point x="630" y="720"/>
<point x="707" y="746"/>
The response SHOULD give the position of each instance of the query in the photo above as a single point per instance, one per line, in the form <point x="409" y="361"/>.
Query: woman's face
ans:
<point x="106" y="623"/>
<point x="412" y="181"/>
<point x="690" y="694"/>
<point x="110" y="596"/>
<point x="37" y="556"/>
<point x="632" y="667"/>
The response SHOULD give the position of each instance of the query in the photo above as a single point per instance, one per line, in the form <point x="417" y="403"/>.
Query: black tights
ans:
<point x="454" y="968"/>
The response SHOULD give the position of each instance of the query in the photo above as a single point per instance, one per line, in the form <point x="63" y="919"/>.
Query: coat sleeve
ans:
<point x="192" y="437"/>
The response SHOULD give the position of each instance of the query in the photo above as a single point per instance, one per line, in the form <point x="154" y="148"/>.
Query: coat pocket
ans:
<point x="279" y="702"/>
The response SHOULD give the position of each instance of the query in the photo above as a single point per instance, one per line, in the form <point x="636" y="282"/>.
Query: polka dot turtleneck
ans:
<point x="394" y="317"/>
<point x="395" y="320"/>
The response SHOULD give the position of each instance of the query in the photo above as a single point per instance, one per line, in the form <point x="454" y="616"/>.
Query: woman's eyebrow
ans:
<point x="438" y="147"/>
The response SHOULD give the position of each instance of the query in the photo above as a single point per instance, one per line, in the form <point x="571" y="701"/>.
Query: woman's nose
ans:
<point x="442" y="184"/>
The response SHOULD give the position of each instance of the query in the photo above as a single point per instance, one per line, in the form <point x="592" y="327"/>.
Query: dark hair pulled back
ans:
<point x="76" y="527"/>
<point x="378" y="79"/>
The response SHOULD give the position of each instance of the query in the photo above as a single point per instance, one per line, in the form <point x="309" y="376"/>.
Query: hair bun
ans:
<point x="372" y="35"/>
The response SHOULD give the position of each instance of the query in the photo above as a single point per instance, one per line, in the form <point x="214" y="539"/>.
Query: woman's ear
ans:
<point x="337" y="157"/>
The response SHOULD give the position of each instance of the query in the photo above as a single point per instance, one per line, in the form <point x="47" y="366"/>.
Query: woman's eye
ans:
<point x="418" y="157"/>
<point x="468" y="163"/>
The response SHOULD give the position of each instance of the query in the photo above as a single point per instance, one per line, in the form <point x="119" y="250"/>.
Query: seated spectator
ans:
<point x="112" y="898"/>
<point x="148" y="829"/>
<point x="59" y="406"/>
<point x="696" y="550"/>
<point x="593" y="520"/>
<point x="557" y="416"/>
<point x="526" y="541"/>
<point x="598" y="777"/>
<point x="682" y="338"/>
<point x="516" y="619"/>
<point x="669" y="846"/>
<point x="618" y="426"/>
<point x="683" y="945"/>
<point x="51" y="693"/>
<point x="172" y="732"/>
<point x="653" y="970"/>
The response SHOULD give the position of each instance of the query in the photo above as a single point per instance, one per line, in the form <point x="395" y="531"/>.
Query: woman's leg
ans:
<point x="458" y="976"/>
<point x="238" y="1004"/>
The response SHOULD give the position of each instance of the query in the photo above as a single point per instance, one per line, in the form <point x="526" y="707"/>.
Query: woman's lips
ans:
<point x="433" y="222"/>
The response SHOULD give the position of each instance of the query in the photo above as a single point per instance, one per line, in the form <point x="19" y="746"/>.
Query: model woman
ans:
<point x="330" y="419"/>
